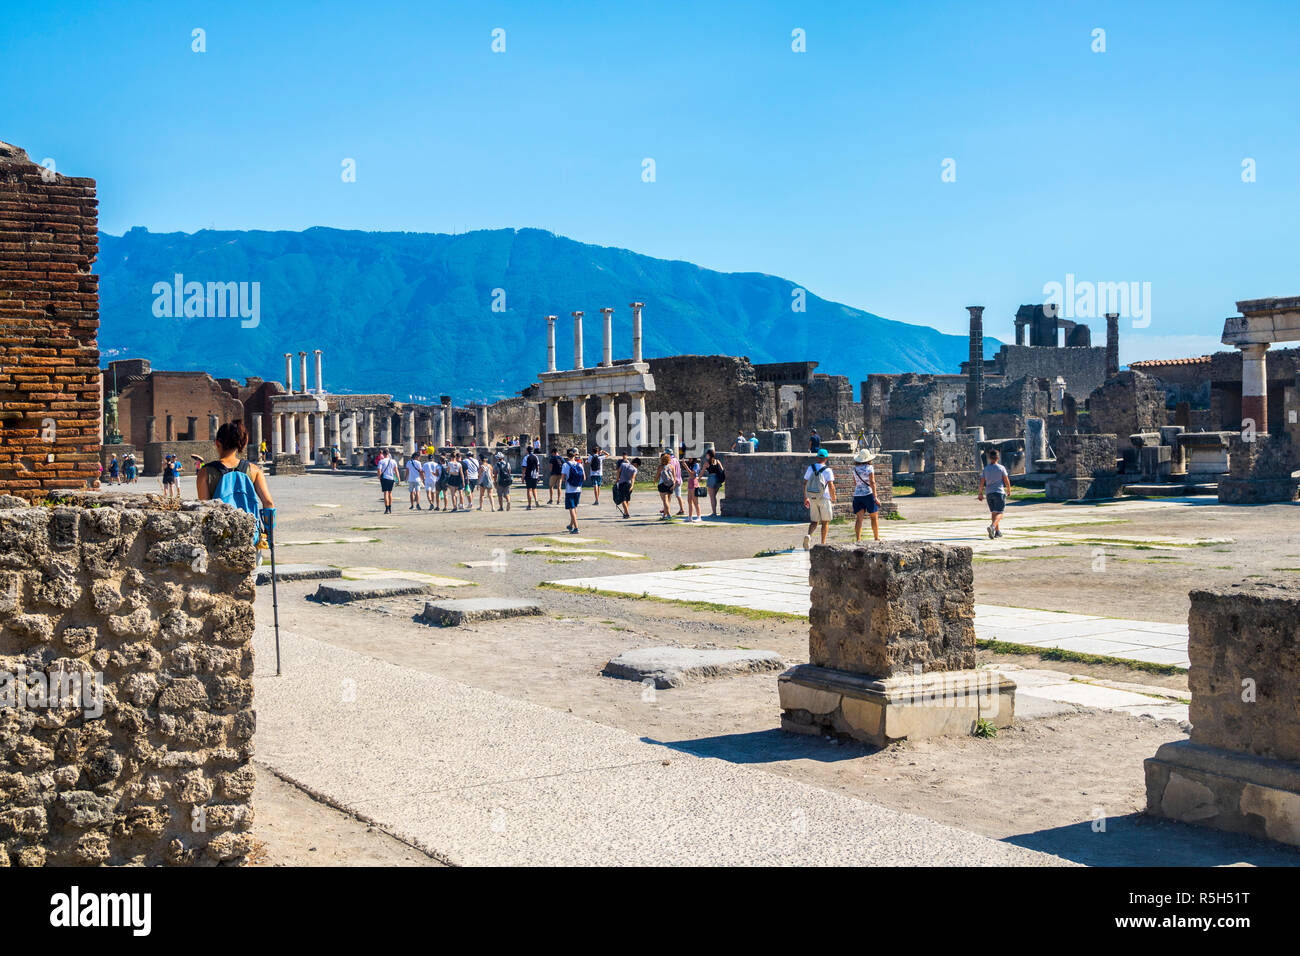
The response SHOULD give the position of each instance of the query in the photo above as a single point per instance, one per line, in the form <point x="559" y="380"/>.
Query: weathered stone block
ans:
<point x="887" y="608"/>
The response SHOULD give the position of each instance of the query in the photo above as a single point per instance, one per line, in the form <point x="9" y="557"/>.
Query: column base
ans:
<point x="1225" y="790"/>
<point x="818" y="700"/>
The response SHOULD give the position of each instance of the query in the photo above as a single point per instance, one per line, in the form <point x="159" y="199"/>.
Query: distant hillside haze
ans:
<point x="412" y="314"/>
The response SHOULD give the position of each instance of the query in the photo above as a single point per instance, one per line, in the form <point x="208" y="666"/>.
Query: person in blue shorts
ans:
<point x="995" y="484"/>
<point x="572" y="476"/>
<point x="865" y="501"/>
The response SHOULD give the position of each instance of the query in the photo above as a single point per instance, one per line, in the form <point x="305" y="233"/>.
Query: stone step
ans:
<point x="1164" y="490"/>
<point x="675" y="666"/>
<point x="345" y="592"/>
<point x="295" y="572"/>
<point x="458" y="611"/>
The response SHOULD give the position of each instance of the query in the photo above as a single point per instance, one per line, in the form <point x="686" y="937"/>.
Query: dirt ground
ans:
<point x="1071" y="784"/>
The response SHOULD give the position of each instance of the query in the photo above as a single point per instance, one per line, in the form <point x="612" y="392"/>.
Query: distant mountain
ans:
<point x="412" y="313"/>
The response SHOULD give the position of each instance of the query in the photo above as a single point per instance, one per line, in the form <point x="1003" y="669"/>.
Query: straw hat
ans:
<point x="863" y="456"/>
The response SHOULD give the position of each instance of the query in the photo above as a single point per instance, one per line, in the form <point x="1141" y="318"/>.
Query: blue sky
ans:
<point x="823" y="167"/>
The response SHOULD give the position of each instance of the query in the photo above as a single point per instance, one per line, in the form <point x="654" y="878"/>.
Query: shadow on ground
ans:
<point x="1138" y="840"/>
<point x="767" y="746"/>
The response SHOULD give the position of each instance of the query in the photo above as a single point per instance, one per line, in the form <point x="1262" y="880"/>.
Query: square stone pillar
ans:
<point x="277" y="426"/>
<point x="1240" y="769"/>
<point x="316" y="452"/>
<point x="552" y="417"/>
<point x="891" y="645"/>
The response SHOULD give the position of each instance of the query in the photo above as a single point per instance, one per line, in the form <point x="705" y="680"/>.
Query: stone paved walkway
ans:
<point x="476" y="778"/>
<point x="780" y="583"/>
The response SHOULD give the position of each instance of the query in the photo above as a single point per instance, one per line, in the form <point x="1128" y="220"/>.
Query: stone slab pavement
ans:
<point x="475" y="778"/>
<point x="779" y="583"/>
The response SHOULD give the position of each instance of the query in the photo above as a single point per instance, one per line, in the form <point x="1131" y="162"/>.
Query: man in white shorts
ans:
<point x="818" y="496"/>
<point x="415" y="480"/>
<point x="431" y="470"/>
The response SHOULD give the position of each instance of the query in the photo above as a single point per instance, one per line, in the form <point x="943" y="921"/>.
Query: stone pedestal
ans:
<point x="1260" y="471"/>
<point x="891" y="645"/>
<point x="1240" y="771"/>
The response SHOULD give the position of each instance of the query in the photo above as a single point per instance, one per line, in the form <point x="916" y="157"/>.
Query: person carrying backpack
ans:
<point x="234" y="479"/>
<point x="532" y="469"/>
<point x="573" y="476"/>
<point x="596" y="468"/>
<point x="818" y="496"/>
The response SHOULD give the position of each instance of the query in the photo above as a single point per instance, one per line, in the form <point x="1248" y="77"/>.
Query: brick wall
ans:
<point x="49" y="318"/>
<point x="725" y="388"/>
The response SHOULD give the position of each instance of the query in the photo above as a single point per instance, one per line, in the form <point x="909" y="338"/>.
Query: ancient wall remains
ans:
<point x="141" y="752"/>
<point x="1084" y="369"/>
<point x="1087" y="466"/>
<point x="1128" y="403"/>
<point x="770" y="485"/>
<point x="725" y="388"/>
<point x="49" y="318"/>
<point x="949" y="466"/>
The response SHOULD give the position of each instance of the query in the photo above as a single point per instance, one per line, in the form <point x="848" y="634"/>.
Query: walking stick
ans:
<point x="268" y="518"/>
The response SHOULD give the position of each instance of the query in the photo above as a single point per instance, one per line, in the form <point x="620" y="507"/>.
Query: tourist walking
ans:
<point x="995" y="484"/>
<point x="414" y="481"/>
<point x="112" y="470"/>
<point x="692" y="490"/>
<point x="386" y="469"/>
<point x="455" y="479"/>
<point x="431" y="471"/>
<point x="504" y="481"/>
<point x="818" y="496"/>
<point x="484" y="483"/>
<point x="442" y="482"/>
<point x="557" y="469"/>
<point x="864" y="494"/>
<point x="715" y="478"/>
<point x="624" y="480"/>
<point x="596" y="465"/>
<point x="664" y="485"/>
<point x="573" y="477"/>
<point x="129" y="469"/>
<point x="169" y="485"/>
<point x="532" y="469"/>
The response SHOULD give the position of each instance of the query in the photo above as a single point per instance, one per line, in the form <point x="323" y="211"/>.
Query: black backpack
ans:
<point x="531" y="465"/>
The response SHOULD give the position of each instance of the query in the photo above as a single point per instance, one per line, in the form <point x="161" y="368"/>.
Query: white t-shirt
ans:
<point x="568" y="470"/>
<point x="827" y="476"/>
<point x="388" y="468"/>
<point x="471" y="469"/>
<point x="430" y="472"/>
<point x="414" y="470"/>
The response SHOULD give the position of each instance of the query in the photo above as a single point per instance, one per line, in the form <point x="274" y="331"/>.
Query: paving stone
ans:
<point x="296" y="572"/>
<point x="674" y="666"/>
<point x="345" y="592"/>
<point x="453" y="613"/>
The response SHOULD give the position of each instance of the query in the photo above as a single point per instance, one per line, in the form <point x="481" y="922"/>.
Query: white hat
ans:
<point x="864" y="455"/>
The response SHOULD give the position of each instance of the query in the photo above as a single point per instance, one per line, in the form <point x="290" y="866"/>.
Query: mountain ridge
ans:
<point x="411" y="313"/>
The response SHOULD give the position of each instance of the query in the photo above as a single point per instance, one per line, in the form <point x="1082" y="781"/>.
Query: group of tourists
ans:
<point x="700" y="477"/>
<point x="819" y="495"/>
<point x="125" y="472"/>
<point x="448" y="482"/>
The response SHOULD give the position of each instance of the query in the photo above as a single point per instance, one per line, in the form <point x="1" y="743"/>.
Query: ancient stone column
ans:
<point x="336" y="430"/>
<point x="609" y="427"/>
<point x="1254" y="386"/>
<point x="320" y="389"/>
<point x="150" y="429"/>
<point x="975" y="380"/>
<point x="638" y="426"/>
<point x="408" y="431"/>
<point x="1112" y="344"/>
<point x="256" y="438"/>
<point x="302" y="363"/>
<point x="386" y="428"/>
<point x="577" y="340"/>
<point x="580" y="414"/>
<point x="171" y="430"/>
<point x="1035" y="441"/>
<point x="607" y="359"/>
<point x="212" y="427"/>
<point x="550" y="342"/>
<point x="552" y="417"/>
<point x="288" y="372"/>
<point x="439" y="432"/>
<point x="277" y="426"/>
<point x="636" y="330"/>
<point x="316" y="453"/>
<point x="481" y="424"/>
<point x="291" y="434"/>
<point x="447" y="425"/>
<point x="370" y="428"/>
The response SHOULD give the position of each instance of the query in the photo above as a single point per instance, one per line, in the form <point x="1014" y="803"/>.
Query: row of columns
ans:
<point x="350" y="430"/>
<point x="637" y="437"/>
<point x="302" y="359"/>
<point x="607" y="354"/>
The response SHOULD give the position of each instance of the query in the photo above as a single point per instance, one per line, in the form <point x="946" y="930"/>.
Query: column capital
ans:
<point x="975" y="311"/>
<point x="576" y="315"/>
<point x="606" y="311"/>
<point x="636" y="305"/>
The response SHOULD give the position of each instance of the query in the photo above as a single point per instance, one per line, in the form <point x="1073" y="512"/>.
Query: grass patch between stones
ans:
<point x="749" y="612"/>
<point x="1076" y="657"/>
